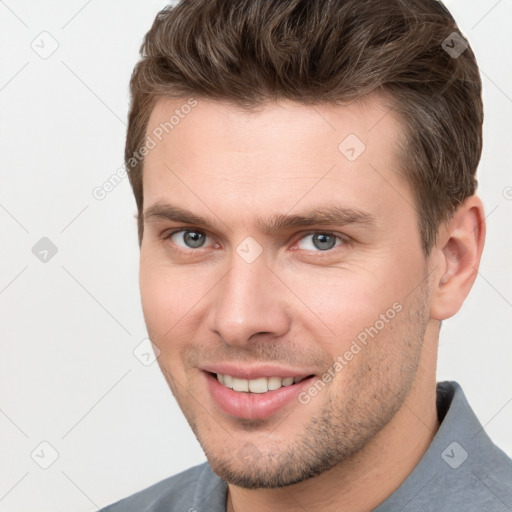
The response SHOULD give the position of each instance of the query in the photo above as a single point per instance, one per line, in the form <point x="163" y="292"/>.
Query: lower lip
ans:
<point x="253" y="405"/>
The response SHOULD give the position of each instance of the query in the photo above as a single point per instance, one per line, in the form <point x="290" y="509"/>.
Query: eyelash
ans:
<point x="342" y="238"/>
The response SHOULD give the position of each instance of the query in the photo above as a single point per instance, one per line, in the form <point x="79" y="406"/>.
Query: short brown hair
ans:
<point x="247" y="52"/>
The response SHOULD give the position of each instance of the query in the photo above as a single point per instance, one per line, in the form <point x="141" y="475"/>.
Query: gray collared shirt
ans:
<point x="462" y="470"/>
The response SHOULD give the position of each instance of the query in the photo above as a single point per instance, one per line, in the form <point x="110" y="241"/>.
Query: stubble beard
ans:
<point x="348" y="421"/>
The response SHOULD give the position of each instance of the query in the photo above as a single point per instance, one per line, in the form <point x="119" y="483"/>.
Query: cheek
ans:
<point x="173" y="303"/>
<point x="157" y="300"/>
<point x="343" y="304"/>
<point x="164" y="302"/>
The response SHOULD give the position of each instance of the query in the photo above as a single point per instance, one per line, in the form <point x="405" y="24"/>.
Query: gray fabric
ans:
<point x="461" y="471"/>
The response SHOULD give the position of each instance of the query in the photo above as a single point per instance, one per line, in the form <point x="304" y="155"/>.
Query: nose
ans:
<point x="249" y="301"/>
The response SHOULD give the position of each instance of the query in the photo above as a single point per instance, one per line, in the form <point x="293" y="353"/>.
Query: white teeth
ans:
<point x="260" y="385"/>
<point x="228" y="381"/>
<point x="240" y="384"/>
<point x="274" y="383"/>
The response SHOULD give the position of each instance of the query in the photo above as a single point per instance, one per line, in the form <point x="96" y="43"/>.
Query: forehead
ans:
<point x="207" y="119"/>
<point x="275" y="156"/>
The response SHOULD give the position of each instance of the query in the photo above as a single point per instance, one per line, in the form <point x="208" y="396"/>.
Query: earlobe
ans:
<point x="458" y="252"/>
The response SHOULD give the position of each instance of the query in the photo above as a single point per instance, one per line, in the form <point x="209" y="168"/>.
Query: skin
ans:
<point x="296" y="305"/>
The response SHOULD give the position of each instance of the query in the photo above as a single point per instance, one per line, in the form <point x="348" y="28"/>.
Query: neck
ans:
<point x="363" y="482"/>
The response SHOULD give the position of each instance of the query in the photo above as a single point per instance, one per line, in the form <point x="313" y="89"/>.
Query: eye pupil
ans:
<point x="324" y="241"/>
<point x="321" y="241"/>
<point x="193" y="239"/>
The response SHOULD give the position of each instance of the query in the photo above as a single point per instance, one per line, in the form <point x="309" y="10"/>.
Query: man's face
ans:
<point x="255" y="292"/>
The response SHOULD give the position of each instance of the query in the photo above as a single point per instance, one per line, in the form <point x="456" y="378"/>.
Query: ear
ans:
<point x="456" y="258"/>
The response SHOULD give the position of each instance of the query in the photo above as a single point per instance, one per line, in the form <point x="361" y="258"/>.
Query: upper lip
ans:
<point x="254" y="372"/>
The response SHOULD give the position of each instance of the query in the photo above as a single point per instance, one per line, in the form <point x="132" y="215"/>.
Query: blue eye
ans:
<point x="320" y="241"/>
<point x="190" y="238"/>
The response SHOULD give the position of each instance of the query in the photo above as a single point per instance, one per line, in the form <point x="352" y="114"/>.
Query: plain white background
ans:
<point x="70" y="325"/>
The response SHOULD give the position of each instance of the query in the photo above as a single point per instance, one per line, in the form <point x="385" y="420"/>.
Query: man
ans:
<point x="304" y="173"/>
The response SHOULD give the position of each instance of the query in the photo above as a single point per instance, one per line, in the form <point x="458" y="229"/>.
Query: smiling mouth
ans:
<point x="259" y="385"/>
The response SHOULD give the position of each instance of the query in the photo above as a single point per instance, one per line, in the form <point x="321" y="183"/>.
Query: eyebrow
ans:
<point x="331" y="214"/>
